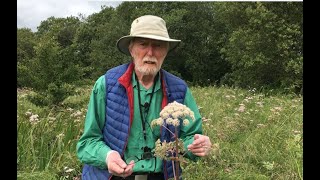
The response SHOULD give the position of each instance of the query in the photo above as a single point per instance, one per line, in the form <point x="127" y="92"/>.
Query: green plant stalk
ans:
<point x="32" y="146"/>
<point x="176" y="160"/>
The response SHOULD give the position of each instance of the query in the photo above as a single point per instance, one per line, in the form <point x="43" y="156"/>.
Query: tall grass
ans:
<point x="259" y="136"/>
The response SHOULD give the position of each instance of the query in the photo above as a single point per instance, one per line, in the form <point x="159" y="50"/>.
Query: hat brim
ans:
<point x="123" y="43"/>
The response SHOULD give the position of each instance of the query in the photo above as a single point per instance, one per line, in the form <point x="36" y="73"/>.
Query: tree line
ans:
<point x="238" y="44"/>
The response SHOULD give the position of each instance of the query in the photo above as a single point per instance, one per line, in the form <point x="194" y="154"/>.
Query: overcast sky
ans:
<point x="31" y="12"/>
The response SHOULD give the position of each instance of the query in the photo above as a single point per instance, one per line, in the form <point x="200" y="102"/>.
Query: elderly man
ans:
<point x="125" y="100"/>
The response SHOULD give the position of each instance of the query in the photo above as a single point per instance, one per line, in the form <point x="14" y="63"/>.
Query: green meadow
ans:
<point x="255" y="135"/>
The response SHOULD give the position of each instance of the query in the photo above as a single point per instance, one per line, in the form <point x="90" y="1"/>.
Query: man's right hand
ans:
<point x="116" y="166"/>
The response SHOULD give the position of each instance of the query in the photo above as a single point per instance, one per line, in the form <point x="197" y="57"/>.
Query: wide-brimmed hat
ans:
<point x="148" y="26"/>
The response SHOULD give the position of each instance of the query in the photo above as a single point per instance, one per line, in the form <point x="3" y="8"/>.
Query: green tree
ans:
<point x="26" y="41"/>
<point x="107" y="28"/>
<point x="61" y="29"/>
<point x="264" y="46"/>
<point x="53" y="70"/>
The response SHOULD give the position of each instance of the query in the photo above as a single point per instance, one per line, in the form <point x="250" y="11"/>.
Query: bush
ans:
<point x="54" y="95"/>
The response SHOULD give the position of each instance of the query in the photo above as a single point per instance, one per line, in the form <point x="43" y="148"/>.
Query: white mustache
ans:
<point x="150" y="59"/>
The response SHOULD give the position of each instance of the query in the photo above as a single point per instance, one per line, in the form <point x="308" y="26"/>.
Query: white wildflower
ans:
<point x="169" y="121"/>
<point x="68" y="170"/>
<point x="261" y="125"/>
<point x="69" y="109"/>
<point x="185" y="122"/>
<point x="241" y="108"/>
<point x="173" y="113"/>
<point x="176" y="114"/>
<point x="28" y="113"/>
<point x="51" y="119"/>
<point x="165" y="115"/>
<point x="34" y="119"/>
<point x="175" y="122"/>
<point x="157" y="122"/>
<point x="76" y="114"/>
<point x="60" y="136"/>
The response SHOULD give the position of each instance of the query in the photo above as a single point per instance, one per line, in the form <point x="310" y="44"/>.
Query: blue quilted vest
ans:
<point x="119" y="114"/>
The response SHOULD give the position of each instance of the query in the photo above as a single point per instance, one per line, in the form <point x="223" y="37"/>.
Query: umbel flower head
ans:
<point x="166" y="150"/>
<point x="172" y="114"/>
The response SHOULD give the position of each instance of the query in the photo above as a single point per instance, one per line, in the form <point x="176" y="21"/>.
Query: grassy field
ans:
<point x="257" y="136"/>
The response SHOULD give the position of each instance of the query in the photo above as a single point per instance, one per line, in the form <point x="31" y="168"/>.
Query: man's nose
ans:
<point x="150" y="50"/>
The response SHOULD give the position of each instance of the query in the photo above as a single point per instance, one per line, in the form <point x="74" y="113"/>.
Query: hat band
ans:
<point x="150" y="31"/>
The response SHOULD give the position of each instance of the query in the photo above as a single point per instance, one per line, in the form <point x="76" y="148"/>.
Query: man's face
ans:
<point x="148" y="55"/>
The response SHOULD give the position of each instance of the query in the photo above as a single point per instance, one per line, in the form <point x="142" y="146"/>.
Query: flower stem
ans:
<point x="177" y="148"/>
<point x="170" y="131"/>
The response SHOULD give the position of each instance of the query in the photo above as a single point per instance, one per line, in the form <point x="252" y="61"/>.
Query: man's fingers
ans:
<point x="131" y="164"/>
<point x="121" y="163"/>
<point x="200" y="146"/>
<point x="115" y="169"/>
<point x="129" y="168"/>
<point x="199" y="139"/>
<point x="115" y="164"/>
<point x="121" y="169"/>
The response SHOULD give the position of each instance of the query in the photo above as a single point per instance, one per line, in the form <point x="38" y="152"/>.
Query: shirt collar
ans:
<point x="134" y="84"/>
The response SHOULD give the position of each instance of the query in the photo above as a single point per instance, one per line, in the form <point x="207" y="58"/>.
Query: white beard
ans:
<point x="146" y="69"/>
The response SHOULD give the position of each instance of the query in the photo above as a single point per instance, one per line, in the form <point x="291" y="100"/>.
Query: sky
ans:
<point x="30" y="13"/>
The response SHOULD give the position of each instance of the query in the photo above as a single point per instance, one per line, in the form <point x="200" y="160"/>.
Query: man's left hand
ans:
<point x="201" y="145"/>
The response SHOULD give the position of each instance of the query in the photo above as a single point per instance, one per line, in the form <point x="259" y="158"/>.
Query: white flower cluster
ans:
<point x="33" y="118"/>
<point x="77" y="114"/>
<point x="172" y="113"/>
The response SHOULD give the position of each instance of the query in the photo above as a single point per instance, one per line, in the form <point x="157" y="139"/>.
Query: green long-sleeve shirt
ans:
<point x="91" y="149"/>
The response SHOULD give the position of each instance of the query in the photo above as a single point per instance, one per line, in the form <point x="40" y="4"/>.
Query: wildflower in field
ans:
<point x="34" y="119"/>
<point x="204" y="119"/>
<point x="252" y="90"/>
<point x="28" y="113"/>
<point x="60" y="136"/>
<point x="268" y="165"/>
<point x="69" y="109"/>
<point x="76" y="114"/>
<point x="296" y="132"/>
<point x="246" y="100"/>
<point x="241" y="108"/>
<point x="260" y="104"/>
<point x="276" y="110"/>
<point x="249" y="98"/>
<point x="261" y="125"/>
<point x="68" y="170"/>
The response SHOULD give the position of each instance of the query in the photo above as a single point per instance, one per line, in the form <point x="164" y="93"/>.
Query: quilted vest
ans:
<point x="119" y="114"/>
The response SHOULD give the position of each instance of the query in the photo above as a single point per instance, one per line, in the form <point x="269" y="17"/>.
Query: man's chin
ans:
<point x="149" y="71"/>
